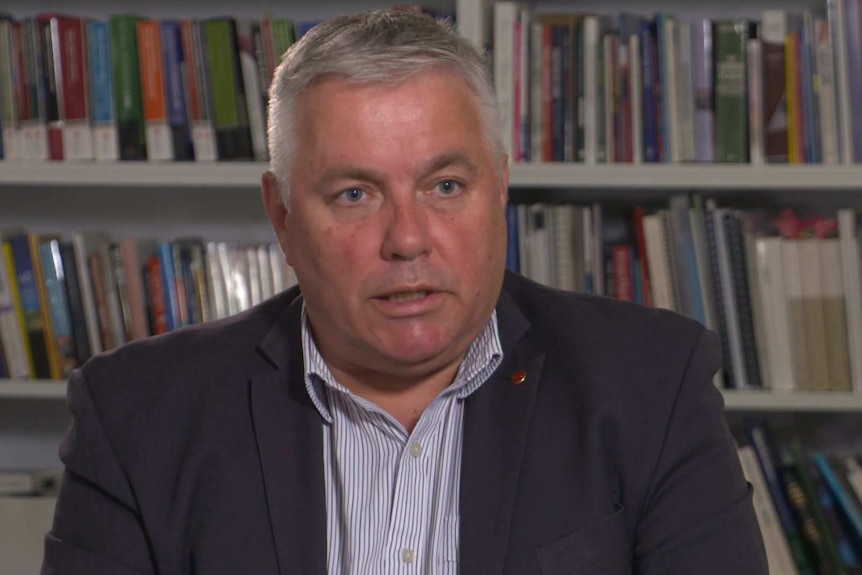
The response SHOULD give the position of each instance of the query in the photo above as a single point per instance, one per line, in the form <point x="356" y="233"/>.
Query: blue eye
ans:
<point x="353" y="195"/>
<point x="448" y="187"/>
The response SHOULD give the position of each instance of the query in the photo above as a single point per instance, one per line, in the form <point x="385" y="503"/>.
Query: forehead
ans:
<point x="429" y="111"/>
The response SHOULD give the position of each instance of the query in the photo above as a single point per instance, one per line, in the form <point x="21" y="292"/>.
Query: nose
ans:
<point x="407" y="235"/>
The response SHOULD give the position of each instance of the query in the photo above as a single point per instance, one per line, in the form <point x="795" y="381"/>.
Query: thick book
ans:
<point x="704" y="113"/>
<point x="75" y="297"/>
<point x="774" y="29"/>
<point x="233" y="136"/>
<point x="731" y="115"/>
<point x="60" y="317"/>
<point x="176" y="72"/>
<point x="70" y="75"/>
<point x="13" y="333"/>
<point x="160" y="146"/>
<point x="128" y="100"/>
<point x="102" y="109"/>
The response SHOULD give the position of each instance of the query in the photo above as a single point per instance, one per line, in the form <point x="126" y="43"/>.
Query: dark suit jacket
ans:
<point x="200" y="452"/>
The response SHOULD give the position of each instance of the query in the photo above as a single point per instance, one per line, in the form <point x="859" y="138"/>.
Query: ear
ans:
<point x="504" y="179"/>
<point x="277" y="212"/>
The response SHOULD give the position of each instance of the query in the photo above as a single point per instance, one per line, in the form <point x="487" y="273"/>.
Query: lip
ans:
<point x="409" y="308"/>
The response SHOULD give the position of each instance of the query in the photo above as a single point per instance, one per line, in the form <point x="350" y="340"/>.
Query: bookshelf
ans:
<point x="642" y="178"/>
<point x="222" y="200"/>
<point x="846" y="403"/>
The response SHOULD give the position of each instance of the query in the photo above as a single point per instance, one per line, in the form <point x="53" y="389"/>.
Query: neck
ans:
<point x="404" y="398"/>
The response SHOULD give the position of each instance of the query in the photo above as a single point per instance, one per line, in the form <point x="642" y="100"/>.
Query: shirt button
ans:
<point x="407" y="555"/>
<point x="416" y="449"/>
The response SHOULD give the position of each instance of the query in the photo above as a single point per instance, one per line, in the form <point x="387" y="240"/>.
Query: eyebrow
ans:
<point x="455" y="158"/>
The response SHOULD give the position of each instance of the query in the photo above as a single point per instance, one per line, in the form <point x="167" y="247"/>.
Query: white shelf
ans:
<point x="832" y="402"/>
<point x="733" y="400"/>
<point x="142" y="174"/>
<point x="688" y="176"/>
<point x="547" y="175"/>
<point x="32" y="389"/>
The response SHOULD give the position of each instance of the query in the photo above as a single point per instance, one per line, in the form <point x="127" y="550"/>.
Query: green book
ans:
<point x="283" y="37"/>
<point x="227" y="91"/>
<point x="731" y="108"/>
<point x="126" y="74"/>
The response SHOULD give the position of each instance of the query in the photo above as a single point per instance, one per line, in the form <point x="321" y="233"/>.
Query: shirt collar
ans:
<point x="482" y="359"/>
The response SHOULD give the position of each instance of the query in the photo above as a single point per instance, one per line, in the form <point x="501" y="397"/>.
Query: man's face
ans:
<point x="396" y="228"/>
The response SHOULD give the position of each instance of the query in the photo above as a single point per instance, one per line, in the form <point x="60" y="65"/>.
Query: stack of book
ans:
<point x="782" y="292"/>
<point x="807" y="505"/>
<point x="591" y="88"/>
<point x="63" y="301"/>
<point x="132" y="88"/>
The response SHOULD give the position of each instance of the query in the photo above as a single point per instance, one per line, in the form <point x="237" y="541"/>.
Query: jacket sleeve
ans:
<point x="96" y="528"/>
<point x="698" y="516"/>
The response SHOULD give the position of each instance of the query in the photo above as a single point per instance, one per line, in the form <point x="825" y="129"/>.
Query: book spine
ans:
<point x="827" y="102"/>
<point x="13" y="332"/>
<point x="846" y="504"/>
<point x="649" y="77"/>
<point x="756" y="148"/>
<point x="8" y="89"/>
<point x="31" y="306"/>
<point x="105" y="136"/>
<point x="249" y="74"/>
<point x="505" y="17"/>
<point x="76" y="305"/>
<point x="203" y="125"/>
<point x="812" y="305"/>
<point x="773" y="31"/>
<point x="174" y="66"/>
<point x="834" y="315"/>
<point x="169" y="286"/>
<point x="156" y="287"/>
<point x="61" y="323"/>
<point x="853" y="15"/>
<point x="76" y="131"/>
<point x="160" y="145"/>
<point x="745" y="313"/>
<point x="851" y="266"/>
<point x="233" y="138"/>
<point x="126" y="74"/>
<point x="731" y="116"/>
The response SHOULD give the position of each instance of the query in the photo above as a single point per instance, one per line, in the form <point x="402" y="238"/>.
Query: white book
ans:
<point x="770" y="283"/>
<point x="795" y="311"/>
<point x="254" y="276"/>
<point x="11" y="330"/>
<point x="267" y="282"/>
<point x="591" y="88"/>
<point x="850" y="267"/>
<point x="659" y="275"/>
<point x="685" y="91"/>
<point x="827" y="103"/>
<point x="777" y="550"/>
<point x="815" y="323"/>
<point x="755" y="101"/>
<point x="506" y="14"/>
<point x="216" y="283"/>
<point x="834" y="314"/>
<point x="838" y="28"/>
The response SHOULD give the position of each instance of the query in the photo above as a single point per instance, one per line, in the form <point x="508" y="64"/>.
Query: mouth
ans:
<point x="403" y="297"/>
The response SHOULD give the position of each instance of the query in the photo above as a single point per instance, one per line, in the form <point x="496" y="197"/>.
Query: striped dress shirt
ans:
<point x="392" y="496"/>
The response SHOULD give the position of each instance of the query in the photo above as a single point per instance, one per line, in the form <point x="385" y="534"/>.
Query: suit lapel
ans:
<point x="290" y="442"/>
<point x="496" y="423"/>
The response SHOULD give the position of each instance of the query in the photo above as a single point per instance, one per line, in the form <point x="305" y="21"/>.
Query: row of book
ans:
<point x="582" y="87"/>
<point x="783" y="292"/>
<point x="132" y="88"/>
<point x="808" y="503"/>
<point x="62" y="302"/>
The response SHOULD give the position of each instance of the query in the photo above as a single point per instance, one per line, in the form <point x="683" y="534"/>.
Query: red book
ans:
<point x="73" y="89"/>
<point x="157" y="296"/>
<point x="642" y="256"/>
<point x="623" y="284"/>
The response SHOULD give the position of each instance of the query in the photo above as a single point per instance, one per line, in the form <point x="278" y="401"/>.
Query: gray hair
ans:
<point x="382" y="46"/>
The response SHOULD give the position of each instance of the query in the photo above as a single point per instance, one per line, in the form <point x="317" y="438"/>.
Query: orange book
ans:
<point x="158" y="134"/>
<point x="795" y="148"/>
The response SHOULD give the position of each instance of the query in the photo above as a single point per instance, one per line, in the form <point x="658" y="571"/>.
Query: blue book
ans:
<point x="31" y="304"/>
<point x="846" y="504"/>
<point x="846" y="551"/>
<point x="649" y="78"/>
<point x="169" y="283"/>
<point x="175" y="90"/>
<point x="61" y="321"/>
<point x="105" y="138"/>
<point x="686" y="259"/>
<point x="664" y="62"/>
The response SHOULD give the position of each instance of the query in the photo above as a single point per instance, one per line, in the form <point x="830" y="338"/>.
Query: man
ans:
<point x="409" y="408"/>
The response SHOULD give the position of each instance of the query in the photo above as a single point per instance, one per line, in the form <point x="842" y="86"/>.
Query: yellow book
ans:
<point x="16" y="303"/>
<point x="45" y="304"/>
<point x="790" y="94"/>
